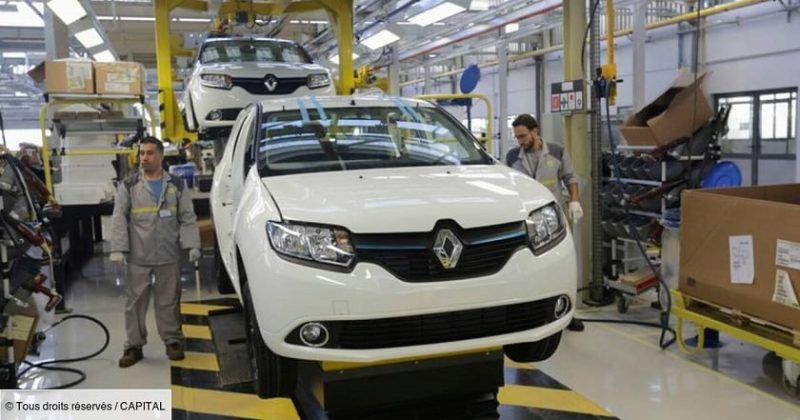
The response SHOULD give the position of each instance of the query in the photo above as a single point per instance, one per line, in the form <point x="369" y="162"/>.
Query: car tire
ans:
<point x="224" y="284"/>
<point x="273" y="375"/>
<point x="533" y="352"/>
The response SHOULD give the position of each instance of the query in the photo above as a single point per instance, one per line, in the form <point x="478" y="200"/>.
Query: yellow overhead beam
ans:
<point x="198" y="5"/>
<point x="229" y="7"/>
<point x="340" y="13"/>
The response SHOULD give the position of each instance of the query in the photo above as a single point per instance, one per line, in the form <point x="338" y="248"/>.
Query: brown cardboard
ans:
<point x="29" y="316"/>
<point x="670" y="116"/>
<point x="206" y="227"/>
<point x="120" y="77"/>
<point x="65" y="76"/>
<point x="710" y="217"/>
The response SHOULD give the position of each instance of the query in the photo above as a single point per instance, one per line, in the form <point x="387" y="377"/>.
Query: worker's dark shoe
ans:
<point x="175" y="351"/>
<point x="130" y="357"/>
<point x="575" y="325"/>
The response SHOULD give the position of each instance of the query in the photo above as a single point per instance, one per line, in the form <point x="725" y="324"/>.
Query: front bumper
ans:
<point x="287" y="295"/>
<point x="206" y="99"/>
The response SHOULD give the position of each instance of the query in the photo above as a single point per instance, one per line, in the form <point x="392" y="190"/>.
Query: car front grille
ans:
<point x="436" y="328"/>
<point x="410" y="257"/>
<point x="256" y="86"/>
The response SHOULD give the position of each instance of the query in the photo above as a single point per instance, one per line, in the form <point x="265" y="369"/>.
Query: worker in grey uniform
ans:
<point x="549" y="164"/>
<point x="153" y="219"/>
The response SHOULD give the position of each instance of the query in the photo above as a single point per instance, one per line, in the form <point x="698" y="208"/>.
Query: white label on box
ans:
<point x="784" y="291"/>
<point x="113" y="87"/>
<point x="742" y="266"/>
<point x="121" y="76"/>
<point x="788" y="254"/>
<point x="78" y="75"/>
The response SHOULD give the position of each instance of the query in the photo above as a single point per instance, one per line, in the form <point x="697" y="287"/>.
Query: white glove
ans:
<point x="575" y="211"/>
<point x="117" y="257"/>
<point x="194" y="254"/>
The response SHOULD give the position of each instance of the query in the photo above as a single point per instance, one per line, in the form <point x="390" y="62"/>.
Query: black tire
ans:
<point x="224" y="285"/>
<point x="533" y="352"/>
<point x="273" y="375"/>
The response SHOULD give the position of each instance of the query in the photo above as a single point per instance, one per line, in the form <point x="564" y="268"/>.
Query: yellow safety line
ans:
<point x="234" y="404"/>
<point x="198" y="361"/>
<point x="698" y="365"/>
<point x="199" y="308"/>
<point x="513" y="364"/>
<point x="201" y="332"/>
<point x="549" y="399"/>
<point x="328" y="366"/>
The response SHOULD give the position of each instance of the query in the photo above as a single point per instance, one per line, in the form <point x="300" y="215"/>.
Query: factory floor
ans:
<point x="607" y="371"/>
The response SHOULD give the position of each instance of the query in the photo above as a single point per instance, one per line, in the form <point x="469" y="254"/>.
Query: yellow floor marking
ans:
<point x="199" y="308"/>
<point x="549" y="399"/>
<point x="697" y="365"/>
<point x="197" y="331"/>
<point x="232" y="404"/>
<point x="513" y="364"/>
<point x="198" y="361"/>
<point x="329" y="366"/>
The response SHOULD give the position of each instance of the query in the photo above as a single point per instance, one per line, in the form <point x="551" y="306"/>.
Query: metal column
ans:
<point x="502" y="95"/>
<point x="56" y="37"/>
<point x="639" y="34"/>
<point x="166" y="96"/>
<point x="394" y="73"/>
<point x="575" y="138"/>
<point x="597" y="294"/>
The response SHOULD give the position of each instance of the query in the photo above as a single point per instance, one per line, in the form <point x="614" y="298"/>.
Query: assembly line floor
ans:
<point x="607" y="371"/>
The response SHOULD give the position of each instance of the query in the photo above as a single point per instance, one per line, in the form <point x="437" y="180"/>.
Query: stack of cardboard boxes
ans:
<point x="90" y="77"/>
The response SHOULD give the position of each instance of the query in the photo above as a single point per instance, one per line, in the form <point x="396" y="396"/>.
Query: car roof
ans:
<point x="295" y="103"/>
<point x="246" y="37"/>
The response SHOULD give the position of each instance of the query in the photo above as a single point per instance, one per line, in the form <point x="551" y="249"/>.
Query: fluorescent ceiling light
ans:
<point x="511" y="27"/>
<point x="437" y="13"/>
<point x="89" y="38"/>
<point x="105" y="18"/>
<point x="335" y="58"/>
<point x="198" y="20"/>
<point x="380" y="39"/>
<point x="137" y="18"/>
<point x="105" y="56"/>
<point x="14" y="55"/>
<point x="68" y="11"/>
<point x="479" y="5"/>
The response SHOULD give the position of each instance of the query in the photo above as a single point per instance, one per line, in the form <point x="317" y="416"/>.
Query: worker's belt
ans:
<point x="143" y="210"/>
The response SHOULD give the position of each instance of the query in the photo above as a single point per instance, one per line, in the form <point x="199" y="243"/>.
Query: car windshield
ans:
<point x="350" y="138"/>
<point x="253" y="50"/>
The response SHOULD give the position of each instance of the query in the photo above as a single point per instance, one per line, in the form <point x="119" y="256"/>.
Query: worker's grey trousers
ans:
<point x="167" y="297"/>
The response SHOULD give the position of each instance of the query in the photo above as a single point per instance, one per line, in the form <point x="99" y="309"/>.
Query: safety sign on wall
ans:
<point x="567" y="96"/>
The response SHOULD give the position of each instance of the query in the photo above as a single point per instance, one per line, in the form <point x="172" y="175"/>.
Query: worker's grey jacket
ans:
<point x="152" y="233"/>
<point x="553" y="165"/>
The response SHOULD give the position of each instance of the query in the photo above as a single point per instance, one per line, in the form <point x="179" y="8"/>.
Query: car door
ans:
<point x="224" y="188"/>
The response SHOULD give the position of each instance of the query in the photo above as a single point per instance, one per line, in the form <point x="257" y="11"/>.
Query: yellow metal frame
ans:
<point x="43" y="112"/>
<point x="340" y="13"/>
<point x="488" y="139"/>
<point x="609" y="70"/>
<point x="682" y="313"/>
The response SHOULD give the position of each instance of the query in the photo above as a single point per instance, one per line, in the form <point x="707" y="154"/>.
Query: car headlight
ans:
<point x="318" y="80"/>
<point x="219" y="81"/>
<point x="323" y="244"/>
<point x="545" y="227"/>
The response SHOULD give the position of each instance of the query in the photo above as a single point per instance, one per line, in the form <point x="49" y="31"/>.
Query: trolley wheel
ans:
<point x="623" y="304"/>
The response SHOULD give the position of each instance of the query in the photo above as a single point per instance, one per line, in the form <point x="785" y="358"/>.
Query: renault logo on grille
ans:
<point x="447" y="248"/>
<point x="271" y="82"/>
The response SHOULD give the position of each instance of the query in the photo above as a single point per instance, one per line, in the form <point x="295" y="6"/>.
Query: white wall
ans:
<point x="752" y="48"/>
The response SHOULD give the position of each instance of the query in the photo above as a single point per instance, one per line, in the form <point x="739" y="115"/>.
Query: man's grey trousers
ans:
<point x="167" y="297"/>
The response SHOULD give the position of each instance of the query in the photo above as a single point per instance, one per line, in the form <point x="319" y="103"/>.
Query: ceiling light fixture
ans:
<point x="89" y="38"/>
<point x="105" y="56"/>
<point x="439" y="12"/>
<point x="335" y="58"/>
<point x="68" y="11"/>
<point x="380" y="39"/>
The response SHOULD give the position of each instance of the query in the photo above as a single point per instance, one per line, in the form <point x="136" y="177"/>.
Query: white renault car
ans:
<point x="372" y="228"/>
<point x="232" y="73"/>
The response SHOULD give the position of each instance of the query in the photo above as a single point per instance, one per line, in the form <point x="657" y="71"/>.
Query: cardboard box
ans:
<point x="23" y="327"/>
<point x="65" y="76"/>
<point x="119" y="77"/>
<point x="669" y="117"/>
<point x="740" y="248"/>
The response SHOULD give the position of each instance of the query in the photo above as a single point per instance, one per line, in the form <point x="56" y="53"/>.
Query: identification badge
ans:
<point x="164" y="213"/>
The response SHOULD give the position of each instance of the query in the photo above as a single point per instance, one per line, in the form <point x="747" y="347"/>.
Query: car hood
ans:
<point x="259" y="70"/>
<point x="408" y="199"/>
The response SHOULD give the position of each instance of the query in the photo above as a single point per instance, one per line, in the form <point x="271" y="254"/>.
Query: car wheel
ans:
<point x="224" y="285"/>
<point x="533" y="352"/>
<point x="273" y="375"/>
